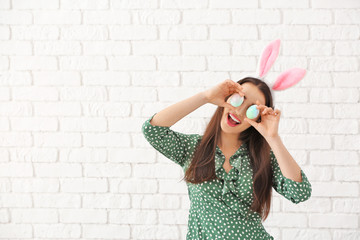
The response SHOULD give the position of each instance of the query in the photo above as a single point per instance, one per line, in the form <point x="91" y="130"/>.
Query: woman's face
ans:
<point x="252" y="93"/>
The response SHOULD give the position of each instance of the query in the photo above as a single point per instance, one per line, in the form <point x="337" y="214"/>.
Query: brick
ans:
<point x="107" y="17"/>
<point x="347" y="173"/>
<point x="329" y="220"/>
<point x="15" y="48"/>
<point x="132" y="32"/>
<point x="35" y="4"/>
<point x="35" y="185"/>
<point x="106" y="200"/>
<point x="16" y="230"/>
<point x="107" y="170"/>
<point x="57" y="109"/>
<point x="84" y="4"/>
<point x="107" y="231"/>
<point x="133" y="216"/>
<point x="57" y="139"/>
<point x="82" y="63"/>
<point x="83" y="124"/>
<point x="212" y="16"/>
<point x="256" y="16"/>
<point x="105" y="140"/>
<point x="83" y="216"/>
<point x="335" y="32"/>
<point x="35" y="93"/>
<point x="133" y="186"/>
<point x="33" y="63"/>
<point x="208" y="48"/>
<point x="34" y="124"/>
<point x="57" y="17"/>
<point x="308" y="16"/>
<point x="105" y="48"/>
<point x="284" y="4"/>
<point x="57" y="48"/>
<point x="333" y="126"/>
<point x="34" y="215"/>
<point x="334" y="189"/>
<point x="83" y="155"/>
<point x="57" y="230"/>
<point x="164" y="17"/>
<point x="129" y="4"/>
<point x="183" y="32"/>
<point x="233" y="4"/>
<point x="15" y="17"/>
<point x="78" y="32"/>
<point x="61" y="170"/>
<point x="35" y="32"/>
<point x="346" y="205"/>
<point x="58" y="200"/>
<point x="132" y="63"/>
<point x="157" y="48"/>
<point x="16" y="139"/>
<point x="56" y="78"/>
<point x="233" y="32"/>
<point x="83" y="93"/>
<point x="15" y="200"/>
<point x="335" y="4"/>
<point x="84" y="185"/>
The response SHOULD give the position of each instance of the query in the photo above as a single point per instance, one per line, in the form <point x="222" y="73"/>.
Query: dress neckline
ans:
<point x="235" y="159"/>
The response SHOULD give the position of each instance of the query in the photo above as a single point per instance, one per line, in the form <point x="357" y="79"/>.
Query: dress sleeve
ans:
<point x="292" y="190"/>
<point x="174" y="145"/>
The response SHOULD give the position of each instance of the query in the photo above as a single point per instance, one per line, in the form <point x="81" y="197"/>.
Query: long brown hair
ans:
<point x="202" y="166"/>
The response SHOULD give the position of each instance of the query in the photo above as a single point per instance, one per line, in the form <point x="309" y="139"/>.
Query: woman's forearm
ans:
<point x="287" y="164"/>
<point x="172" y="114"/>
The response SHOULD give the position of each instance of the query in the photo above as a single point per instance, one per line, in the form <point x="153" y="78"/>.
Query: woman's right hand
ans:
<point x="217" y="94"/>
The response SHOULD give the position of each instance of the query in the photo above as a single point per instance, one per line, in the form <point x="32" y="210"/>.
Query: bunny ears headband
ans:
<point x="287" y="78"/>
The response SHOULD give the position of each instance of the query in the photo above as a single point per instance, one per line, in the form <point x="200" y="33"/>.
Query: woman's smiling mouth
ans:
<point x="232" y="121"/>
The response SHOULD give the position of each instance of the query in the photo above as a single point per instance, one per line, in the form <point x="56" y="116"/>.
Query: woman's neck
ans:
<point x="229" y="141"/>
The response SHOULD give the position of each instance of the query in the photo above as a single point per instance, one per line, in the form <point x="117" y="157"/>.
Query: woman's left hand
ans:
<point x="268" y="127"/>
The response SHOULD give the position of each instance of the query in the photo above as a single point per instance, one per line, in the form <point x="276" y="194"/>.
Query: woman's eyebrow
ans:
<point x="247" y="98"/>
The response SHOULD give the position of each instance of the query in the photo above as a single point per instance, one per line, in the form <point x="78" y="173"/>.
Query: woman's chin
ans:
<point x="229" y="129"/>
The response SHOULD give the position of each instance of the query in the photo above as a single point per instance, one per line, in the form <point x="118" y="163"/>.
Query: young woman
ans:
<point x="231" y="169"/>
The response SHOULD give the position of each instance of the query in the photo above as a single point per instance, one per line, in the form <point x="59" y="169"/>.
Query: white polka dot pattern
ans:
<point x="296" y="192"/>
<point x="220" y="209"/>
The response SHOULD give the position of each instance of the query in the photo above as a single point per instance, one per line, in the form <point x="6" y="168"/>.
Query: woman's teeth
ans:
<point x="234" y="118"/>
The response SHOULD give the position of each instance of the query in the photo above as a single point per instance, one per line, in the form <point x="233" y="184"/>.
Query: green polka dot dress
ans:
<point x="220" y="209"/>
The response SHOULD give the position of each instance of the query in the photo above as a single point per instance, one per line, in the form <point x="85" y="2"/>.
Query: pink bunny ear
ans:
<point x="268" y="57"/>
<point x="289" y="78"/>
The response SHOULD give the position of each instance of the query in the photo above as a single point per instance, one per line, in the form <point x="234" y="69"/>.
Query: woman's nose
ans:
<point x="239" y="112"/>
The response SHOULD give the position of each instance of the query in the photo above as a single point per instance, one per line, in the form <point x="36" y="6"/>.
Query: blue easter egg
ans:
<point x="236" y="100"/>
<point x="252" y="112"/>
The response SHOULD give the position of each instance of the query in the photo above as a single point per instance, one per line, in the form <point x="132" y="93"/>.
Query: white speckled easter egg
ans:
<point x="236" y="100"/>
<point x="252" y="112"/>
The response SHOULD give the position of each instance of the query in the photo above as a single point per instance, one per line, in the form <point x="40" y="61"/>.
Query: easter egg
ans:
<point x="236" y="100"/>
<point x="252" y="112"/>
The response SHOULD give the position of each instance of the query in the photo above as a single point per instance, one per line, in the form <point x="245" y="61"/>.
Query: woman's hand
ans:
<point x="217" y="94"/>
<point x="268" y="127"/>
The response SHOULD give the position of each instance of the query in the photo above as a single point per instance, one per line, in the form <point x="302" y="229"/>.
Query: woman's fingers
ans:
<point x="268" y="110"/>
<point x="241" y="92"/>
<point x="277" y="112"/>
<point x="235" y="87"/>
<point x="265" y="109"/>
<point x="239" y="89"/>
<point x="260" y="106"/>
<point x="230" y="86"/>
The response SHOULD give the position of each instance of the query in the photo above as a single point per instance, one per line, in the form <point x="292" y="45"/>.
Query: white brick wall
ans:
<point x="79" y="77"/>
